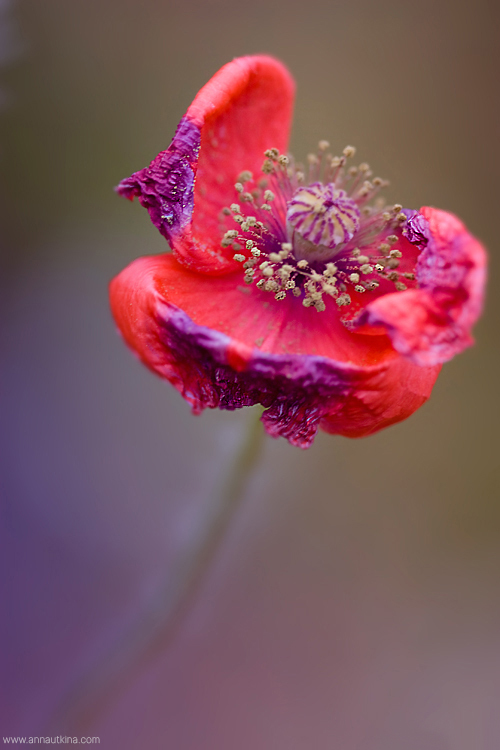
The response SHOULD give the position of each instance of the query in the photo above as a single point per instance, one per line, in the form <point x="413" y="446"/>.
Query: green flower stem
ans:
<point x="94" y="692"/>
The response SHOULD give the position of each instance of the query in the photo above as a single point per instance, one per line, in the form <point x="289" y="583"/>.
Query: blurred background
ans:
<point x="355" y="602"/>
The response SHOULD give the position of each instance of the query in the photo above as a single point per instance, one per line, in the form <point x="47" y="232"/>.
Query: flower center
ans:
<point x="294" y="222"/>
<point x="320" y="220"/>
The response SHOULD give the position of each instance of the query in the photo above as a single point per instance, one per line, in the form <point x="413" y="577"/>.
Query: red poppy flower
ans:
<point x="294" y="288"/>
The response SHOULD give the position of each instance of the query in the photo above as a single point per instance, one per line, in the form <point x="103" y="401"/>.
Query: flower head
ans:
<point x="291" y="286"/>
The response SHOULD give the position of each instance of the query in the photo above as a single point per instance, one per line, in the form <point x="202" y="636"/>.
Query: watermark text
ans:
<point x="59" y="740"/>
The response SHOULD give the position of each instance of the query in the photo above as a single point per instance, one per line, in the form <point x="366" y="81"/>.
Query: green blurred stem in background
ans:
<point x="94" y="691"/>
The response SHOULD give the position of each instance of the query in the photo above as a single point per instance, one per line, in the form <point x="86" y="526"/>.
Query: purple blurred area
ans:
<point x="355" y="603"/>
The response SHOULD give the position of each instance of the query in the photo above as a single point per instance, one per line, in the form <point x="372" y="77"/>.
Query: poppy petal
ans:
<point x="221" y="366"/>
<point x="244" y="109"/>
<point x="433" y="323"/>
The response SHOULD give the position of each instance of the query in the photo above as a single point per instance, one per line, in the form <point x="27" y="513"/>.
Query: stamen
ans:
<point x="343" y="300"/>
<point x="245" y="176"/>
<point x="289" y="241"/>
<point x="272" y="153"/>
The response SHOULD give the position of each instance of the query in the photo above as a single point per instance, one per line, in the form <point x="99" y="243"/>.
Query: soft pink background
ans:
<point x="356" y="601"/>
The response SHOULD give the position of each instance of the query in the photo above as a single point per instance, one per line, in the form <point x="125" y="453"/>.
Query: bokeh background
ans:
<point x="355" y="603"/>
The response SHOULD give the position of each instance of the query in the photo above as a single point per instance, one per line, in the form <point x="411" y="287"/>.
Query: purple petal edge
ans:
<point x="297" y="391"/>
<point x="166" y="187"/>
<point x="416" y="229"/>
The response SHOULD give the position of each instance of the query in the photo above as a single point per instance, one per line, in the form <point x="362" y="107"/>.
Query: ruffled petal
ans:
<point x="431" y="324"/>
<point x="223" y="345"/>
<point x="243" y="110"/>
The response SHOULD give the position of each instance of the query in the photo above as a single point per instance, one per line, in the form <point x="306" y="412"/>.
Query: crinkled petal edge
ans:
<point x="433" y="323"/>
<point x="244" y="108"/>
<point x="300" y="393"/>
